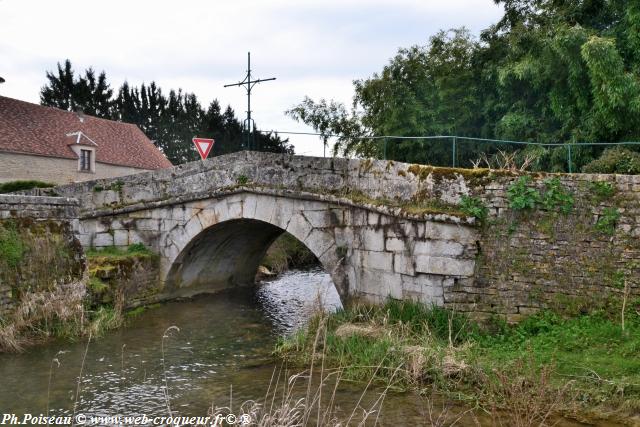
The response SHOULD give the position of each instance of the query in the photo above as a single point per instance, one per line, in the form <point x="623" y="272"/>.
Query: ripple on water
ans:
<point x="291" y="298"/>
<point x="224" y="340"/>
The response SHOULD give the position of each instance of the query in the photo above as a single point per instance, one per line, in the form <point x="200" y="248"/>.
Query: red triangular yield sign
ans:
<point x="203" y="145"/>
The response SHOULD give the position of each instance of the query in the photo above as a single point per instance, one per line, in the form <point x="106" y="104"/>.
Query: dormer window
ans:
<point x="85" y="160"/>
<point x="85" y="149"/>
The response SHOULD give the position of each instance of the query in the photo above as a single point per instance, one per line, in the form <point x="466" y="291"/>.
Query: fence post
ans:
<point x="569" y="155"/>
<point x="453" y="152"/>
<point x="384" y="149"/>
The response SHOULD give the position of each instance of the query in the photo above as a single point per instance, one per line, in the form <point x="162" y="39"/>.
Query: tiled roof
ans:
<point x="33" y="129"/>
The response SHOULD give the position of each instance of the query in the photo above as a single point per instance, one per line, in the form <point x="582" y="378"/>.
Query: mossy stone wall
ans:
<point x="38" y="248"/>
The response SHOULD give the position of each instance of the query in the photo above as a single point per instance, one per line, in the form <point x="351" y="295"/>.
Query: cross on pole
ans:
<point x="249" y="123"/>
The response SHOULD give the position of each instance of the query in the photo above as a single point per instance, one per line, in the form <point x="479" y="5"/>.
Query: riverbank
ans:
<point x="583" y="367"/>
<point x="92" y="304"/>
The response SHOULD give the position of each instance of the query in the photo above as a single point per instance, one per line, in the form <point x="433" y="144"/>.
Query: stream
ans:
<point x="217" y="353"/>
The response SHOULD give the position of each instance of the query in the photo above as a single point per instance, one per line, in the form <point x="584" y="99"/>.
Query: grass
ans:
<point x="12" y="247"/>
<point x="114" y="252"/>
<point x="562" y="364"/>
<point x="11" y="186"/>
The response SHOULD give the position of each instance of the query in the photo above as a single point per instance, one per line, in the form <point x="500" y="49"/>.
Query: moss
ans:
<point x="116" y="253"/>
<point x="11" y="186"/>
<point x="12" y="247"/>
<point x="421" y="205"/>
<point x="34" y="255"/>
<point x="116" y="186"/>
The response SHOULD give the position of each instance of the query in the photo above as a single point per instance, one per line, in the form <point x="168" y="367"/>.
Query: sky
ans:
<point x="313" y="48"/>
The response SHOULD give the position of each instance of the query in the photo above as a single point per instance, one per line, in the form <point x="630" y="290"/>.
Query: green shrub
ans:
<point x="556" y="196"/>
<point x="607" y="222"/>
<point x="521" y="196"/>
<point x="11" y="186"/>
<point x="474" y="207"/>
<point x="615" y="160"/>
<point x="602" y="190"/>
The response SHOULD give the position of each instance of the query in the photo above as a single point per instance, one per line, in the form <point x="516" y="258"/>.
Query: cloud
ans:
<point x="314" y="48"/>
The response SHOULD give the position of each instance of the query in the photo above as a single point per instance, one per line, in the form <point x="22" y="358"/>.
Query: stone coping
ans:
<point x="13" y="199"/>
<point x="301" y="195"/>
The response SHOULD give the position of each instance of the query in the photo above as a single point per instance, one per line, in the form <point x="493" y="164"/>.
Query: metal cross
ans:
<point x="249" y="123"/>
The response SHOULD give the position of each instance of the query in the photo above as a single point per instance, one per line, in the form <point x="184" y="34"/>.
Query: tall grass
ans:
<point x="545" y="365"/>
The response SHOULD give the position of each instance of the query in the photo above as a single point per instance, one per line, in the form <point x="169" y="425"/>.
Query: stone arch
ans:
<point x="221" y="242"/>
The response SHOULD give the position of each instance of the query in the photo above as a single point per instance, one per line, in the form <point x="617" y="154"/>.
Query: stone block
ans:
<point x="234" y="210"/>
<point x="193" y="227"/>
<point x="380" y="282"/>
<point x="372" y="239"/>
<point x="344" y="236"/>
<point x="319" y="242"/>
<point x="438" y="248"/>
<point x="397" y="245"/>
<point x="249" y="205"/>
<point x="377" y="260"/>
<point x="441" y="231"/>
<point x="299" y="227"/>
<point x="121" y="237"/>
<point x="264" y="210"/>
<point x="403" y="264"/>
<point x="423" y="288"/>
<point x="320" y="219"/>
<point x="101" y="240"/>
<point x="444" y="266"/>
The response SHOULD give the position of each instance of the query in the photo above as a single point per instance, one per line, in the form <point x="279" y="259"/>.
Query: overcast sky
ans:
<point x="314" y="48"/>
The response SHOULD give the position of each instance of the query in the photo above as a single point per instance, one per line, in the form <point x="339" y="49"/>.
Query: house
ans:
<point x="57" y="146"/>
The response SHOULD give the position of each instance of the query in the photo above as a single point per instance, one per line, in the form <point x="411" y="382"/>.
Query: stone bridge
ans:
<point x="212" y="222"/>
<point x="381" y="229"/>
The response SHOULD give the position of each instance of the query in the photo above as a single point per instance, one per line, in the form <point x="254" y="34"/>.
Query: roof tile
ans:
<point x="35" y="129"/>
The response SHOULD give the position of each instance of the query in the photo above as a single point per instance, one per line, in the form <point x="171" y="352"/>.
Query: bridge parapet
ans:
<point x="373" y="179"/>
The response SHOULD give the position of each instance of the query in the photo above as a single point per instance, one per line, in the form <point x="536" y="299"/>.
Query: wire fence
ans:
<point x="461" y="151"/>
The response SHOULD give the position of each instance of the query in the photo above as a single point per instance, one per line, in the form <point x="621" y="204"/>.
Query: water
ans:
<point x="217" y="352"/>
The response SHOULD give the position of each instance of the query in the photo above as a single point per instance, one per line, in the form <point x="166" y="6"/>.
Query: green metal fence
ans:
<point x="453" y="146"/>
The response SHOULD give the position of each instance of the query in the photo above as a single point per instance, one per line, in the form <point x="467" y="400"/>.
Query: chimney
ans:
<point x="80" y="114"/>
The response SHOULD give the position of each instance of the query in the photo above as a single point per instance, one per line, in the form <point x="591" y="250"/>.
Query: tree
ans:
<point x="86" y="93"/>
<point x="550" y="71"/>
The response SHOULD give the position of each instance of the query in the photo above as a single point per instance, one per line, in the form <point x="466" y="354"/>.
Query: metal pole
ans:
<point x="454" y="152"/>
<point x="248" y="84"/>
<point x="249" y="100"/>
<point x="569" y="155"/>
<point x="384" y="150"/>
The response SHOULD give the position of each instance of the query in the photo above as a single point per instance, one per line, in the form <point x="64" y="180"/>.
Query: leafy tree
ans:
<point x="549" y="71"/>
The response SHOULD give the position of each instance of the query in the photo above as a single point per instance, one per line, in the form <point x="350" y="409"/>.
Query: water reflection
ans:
<point x="292" y="298"/>
<point x="220" y="356"/>
<point x="224" y="340"/>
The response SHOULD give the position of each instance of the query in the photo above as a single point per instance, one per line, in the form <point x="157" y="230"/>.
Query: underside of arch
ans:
<point x="223" y="256"/>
